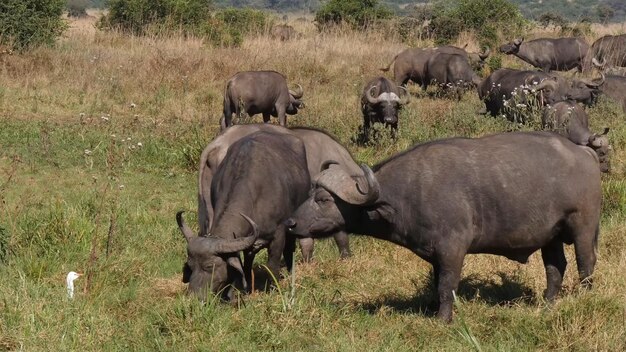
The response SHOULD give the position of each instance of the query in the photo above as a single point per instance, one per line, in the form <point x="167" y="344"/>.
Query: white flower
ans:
<point x="133" y="105"/>
<point x="139" y="144"/>
<point x="521" y="105"/>
<point x="499" y="85"/>
<point x="128" y="139"/>
<point x="105" y="118"/>
<point x="87" y="152"/>
<point x="112" y="136"/>
<point x="82" y="114"/>
<point x="121" y="186"/>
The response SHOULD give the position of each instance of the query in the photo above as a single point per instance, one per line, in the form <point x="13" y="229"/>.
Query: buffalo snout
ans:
<point x="290" y="223"/>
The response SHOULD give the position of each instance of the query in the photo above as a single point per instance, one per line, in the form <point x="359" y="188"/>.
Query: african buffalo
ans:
<point x="450" y="71"/>
<point x="560" y="54"/>
<point x="250" y="201"/>
<point x="507" y="87"/>
<point x="319" y="148"/>
<point x="263" y="92"/>
<point x="509" y="194"/>
<point x="409" y="64"/>
<point x="283" y="32"/>
<point x="570" y="120"/>
<point x="611" y="86"/>
<point x="610" y="49"/>
<point x="381" y="101"/>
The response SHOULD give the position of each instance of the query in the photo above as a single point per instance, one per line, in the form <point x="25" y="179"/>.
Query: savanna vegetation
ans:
<point x="100" y="137"/>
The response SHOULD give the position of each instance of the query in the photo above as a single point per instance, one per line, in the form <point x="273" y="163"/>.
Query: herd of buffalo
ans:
<point x="508" y="194"/>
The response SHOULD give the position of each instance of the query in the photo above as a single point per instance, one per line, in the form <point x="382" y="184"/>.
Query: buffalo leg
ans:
<point x="448" y="277"/>
<point x="343" y="244"/>
<point x="266" y="117"/>
<point x="306" y="247"/>
<point x="585" y="246"/>
<point x="282" y="115"/>
<point x="275" y="250"/>
<point x="554" y="262"/>
<point x="288" y="250"/>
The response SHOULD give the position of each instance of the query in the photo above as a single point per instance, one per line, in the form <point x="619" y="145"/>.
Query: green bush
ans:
<point x="29" y="23"/>
<point x="226" y="27"/>
<point x="146" y="16"/>
<point x="487" y="18"/>
<point x="357" y="13"/>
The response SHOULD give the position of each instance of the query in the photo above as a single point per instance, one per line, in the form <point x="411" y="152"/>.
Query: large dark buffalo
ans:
<point x="283" y="32"/>
<point x="548" y="54"/>
<point x="450" y="71"/>
<point x="570" y="120"/>
<point x="260" y="92"/>
<point x="319" y="147"/>
<point x="381" y="101"/>
<point x="409" y="64"/>
<point x="609" y="50"/>
<point x="260" y="182"/>
<point x="509" y="194"/>
<point x="612" y="86"/>
<point x="507" y="87"/>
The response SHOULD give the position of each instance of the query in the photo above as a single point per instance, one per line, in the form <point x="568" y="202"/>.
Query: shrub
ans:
<point x="29" y="23"/>
<point x="357" y="13"/>
<point x="486" y="18"/>
<point x="144" y="16"/>
<point x="191" y="17"/>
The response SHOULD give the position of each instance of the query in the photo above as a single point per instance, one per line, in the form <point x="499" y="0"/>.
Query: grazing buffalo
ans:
<point x="507" y="88"/>
<point x="260" y="92"/>
<point x="409" y="64"/>
<point x="611" y="86"/>
<point x="249" y="210"/>
<point x="560" y="54"/>
<point x="610" y="49"/>
<point x="570" y="120"/>
<point x="283" y="32"/>
<point x="381" y="101"/>
<point x="509" y="194"/>
<point x="319" y="147"/>
<point x="449" y="71"/>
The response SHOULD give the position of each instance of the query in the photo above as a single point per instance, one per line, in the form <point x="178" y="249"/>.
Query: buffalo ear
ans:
<point x="186" y="273"/>
<point x="382" y="212"/>
<point x="606" y="130"/>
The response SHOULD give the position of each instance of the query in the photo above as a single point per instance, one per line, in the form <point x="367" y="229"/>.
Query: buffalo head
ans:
<point x="386" y="104"/>
<point x="585" y="91"/>
<point x="332" y="202"/>
<point x="600" y="144"/>
<point x="295" y="101"/>
<point x="213" y="262"/>
<point x="511" y="47"/>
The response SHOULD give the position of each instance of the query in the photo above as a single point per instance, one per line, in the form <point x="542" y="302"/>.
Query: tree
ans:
<point x="29" y="23"/>
<point x="605" y="12"/>
<point x="357" y="13"/>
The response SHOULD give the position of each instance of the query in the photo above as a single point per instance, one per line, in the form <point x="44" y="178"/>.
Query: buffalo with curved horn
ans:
<point x="244" y="183"/>
<point x="381" y="101"/>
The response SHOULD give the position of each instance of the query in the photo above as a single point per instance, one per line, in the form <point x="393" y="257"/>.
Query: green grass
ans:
<point x="109" y="213"/>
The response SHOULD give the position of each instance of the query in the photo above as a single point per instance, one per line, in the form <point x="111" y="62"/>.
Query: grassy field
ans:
<point x="99" y="141"/>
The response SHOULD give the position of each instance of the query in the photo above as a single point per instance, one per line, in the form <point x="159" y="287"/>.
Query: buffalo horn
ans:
<point x="593" y="83"/>
<point x="548" y="82"/>
<point x="370" y="97"/>
<point x="597" y="63"/>
<point x="221" y="245"/>
<point x="297" y="94"/>
<point x="183" y="227"/>
<point x="404" y="99"/>
<point x="326" y="164"/>
<point x="339" y="182"/>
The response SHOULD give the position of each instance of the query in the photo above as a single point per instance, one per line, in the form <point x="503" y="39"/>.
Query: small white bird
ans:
<point x="71" y="276"/>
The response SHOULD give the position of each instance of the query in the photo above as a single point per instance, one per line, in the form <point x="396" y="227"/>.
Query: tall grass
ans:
<point x="104" y="131"/>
